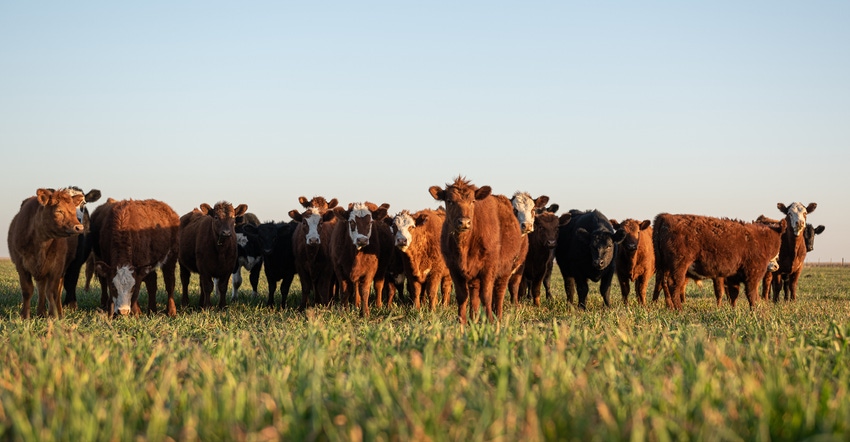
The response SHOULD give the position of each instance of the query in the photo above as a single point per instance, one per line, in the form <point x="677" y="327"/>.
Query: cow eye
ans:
<point x="352" y="224"/>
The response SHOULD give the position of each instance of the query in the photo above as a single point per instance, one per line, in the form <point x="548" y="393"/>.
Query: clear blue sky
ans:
<point x="719" y="108"/>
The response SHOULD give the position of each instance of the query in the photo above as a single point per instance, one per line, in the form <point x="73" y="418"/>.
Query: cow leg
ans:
<point x="308" y="289"/>
<point x="793" y="278"/>
<point x="272" y="282"/>
<point x="497" y="300"/>
<point x="185" y="274"/>
<point x="285" y="285"/>
<point x="56" y="300"/>
<point x="751" y="285"/>
<point x="446" y="290"/>
<point x="676" y="282"/>
<point x="535" y="290"/>
<point x="221" y="291"/>
<point x="765" y="285"/>
<point x="417" y="294"/>
<point x="570" y="288"/>
<point x="582" y="288"/>
<point x="432" y="288"/>
<point x="718" y="284"/>
<point x="89" y="271"/>
<point x="475" y="299"/>
<point x="237" y="282"/>
<point x="514" y="282"/>
<point x="641" y="284"/>
<point x="72" y="276"/>
<point x="135" y="309"/>
<point x="169" y="280"/>
<point x="254" y="279"/>
<point x="206" y="288"/>
<point x="605" y="287"/>
<point x="362" y="288"/>
<point x="624" y="288"/>
<point x="150" y="286"/>
<point x="26" y="292"/>
<point x="379" y="292"/>
<point x="547" y="277"/>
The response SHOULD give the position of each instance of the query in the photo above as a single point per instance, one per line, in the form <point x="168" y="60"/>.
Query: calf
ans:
<point x="135" y="237"/>
<point x="586" y="249"/>
<point x="356" y="253"/>
<point x="42" y="242"/>
<point x="83" y="251"/>
<point x="541" y="251"/>
<point x="792" y="253"/>
<point x="482" y="244"/>
<point x="526" y="210"/>
<point x="417" y="237"/>
<point x="635" y="260"/>
<point x="712" y="248"/>
<point x="208" y="248"/>
<point x="250" y="254"/>
<point x="311" y="249"/>
<point x="278" y="257"/>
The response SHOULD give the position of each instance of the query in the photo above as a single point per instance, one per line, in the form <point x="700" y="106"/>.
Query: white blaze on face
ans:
<point x="524" y="211"/>
<point x="81" y="207"/>
<point x="361" y="213"/>
<point x="124" y="283"/>
<point x="313" y="219"/>
<point x="773" y="265"/>
<point x="403" y="238"/>
<point x="797" y="213"/>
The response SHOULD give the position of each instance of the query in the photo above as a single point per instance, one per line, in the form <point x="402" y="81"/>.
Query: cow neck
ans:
<point x="790" y="249"/>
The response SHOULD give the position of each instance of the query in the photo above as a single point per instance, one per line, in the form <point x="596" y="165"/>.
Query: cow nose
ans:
<point x="123" y="311"/>
<point x="313" y="241"/>
<point x="464" y="223"/>
<point x="551" y="244"/>
<point x="527" y="228"/>
<point x="79" y="228"/>
<point x="401" y="242"/>
<point x="362" y="241"/>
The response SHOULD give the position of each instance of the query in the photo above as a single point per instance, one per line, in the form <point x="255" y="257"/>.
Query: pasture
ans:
<point x="778" y="372"/>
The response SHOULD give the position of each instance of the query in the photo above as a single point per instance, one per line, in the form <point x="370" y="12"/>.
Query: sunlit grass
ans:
<point x="777" y="372"/>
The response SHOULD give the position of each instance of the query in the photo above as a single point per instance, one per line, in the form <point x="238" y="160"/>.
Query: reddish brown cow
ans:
<point x="42" y="242"/>
<point x="635" y="260"/>
<point x="541" y="251"/>
<point x="712" y="248"/>
<point x="482" y="245"/>
<point x="134" y="239"/>
<point x="356" y="253"/>
<point x="417" y="237"/>
<point x="311" y="248"/>
<point x="208" y="247"/>
<point x="792" y="253"/>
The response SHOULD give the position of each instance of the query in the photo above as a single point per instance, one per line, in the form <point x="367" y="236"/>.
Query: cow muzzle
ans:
<point x="361" y="242"/>
<point x="463" y="224"/>
<point x="222" y="237"/>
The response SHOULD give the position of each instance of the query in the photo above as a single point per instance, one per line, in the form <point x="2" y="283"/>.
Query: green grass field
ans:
<point x="778" y="372"/>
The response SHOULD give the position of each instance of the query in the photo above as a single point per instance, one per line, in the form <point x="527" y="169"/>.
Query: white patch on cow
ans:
<point x="124" y="283"/>
<point x="241" y="239"/>
<point x="524" y="210"/>
<point x="773" y="265"/>
<point x="797" y="213"/>
<point x="251" y="261"/>
<point x="313" y="220"/>
<point x="81" y="207"/>
<point x="403" y="237"/>
<point x="237" y="281"/>
<point x="359" y="210"/>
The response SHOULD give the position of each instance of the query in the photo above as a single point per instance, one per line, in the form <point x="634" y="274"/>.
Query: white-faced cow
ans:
<point x="42" y="242"/>
<point x="792" y="253"/>
<point x="135" y="238"/>
<point x="311" y="246"/>
<point x="482" y="244"/>
<point x="250" y="252"/>
<point x="83" y="251"/>
<point x="417" y="237"/>
<point x="208" y="248"/>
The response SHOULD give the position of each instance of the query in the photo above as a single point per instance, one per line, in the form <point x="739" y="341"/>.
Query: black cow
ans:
<point x="586" y="250"/>
<point x="809" y="235"/>
<point x="278" y="257"/>
<point x="249" y="250"/>
<point x="84" y="247"/>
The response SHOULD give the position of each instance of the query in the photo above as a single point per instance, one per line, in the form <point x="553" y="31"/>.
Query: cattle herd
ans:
<point x="482" y="244"/>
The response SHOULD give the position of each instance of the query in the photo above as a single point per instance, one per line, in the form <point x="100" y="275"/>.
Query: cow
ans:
<point x="792" y="253"/>
<point x="810" y="233"/>
<point x="135" y="238"/>
<point x="83" y="251"/>
<point x="208" y="247"/>
<point x="586" y="249"/>
<point x="635" y="260"/>
<point x="542" y="242"/>
<point x="713" y="248"/>
<point x="42" y="242"/>
<point x="250" y="252"/>
<point x="278" y="257"/>
<point x="417" y="237"/>
<point x="482" y="245"/>
<point x="526" y="210"/>
<point x="311" y="249"/>
<point x="356" y="253"/>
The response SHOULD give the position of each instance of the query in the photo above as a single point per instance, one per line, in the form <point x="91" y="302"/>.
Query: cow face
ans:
<point x="402" y="226"/>
<point x="224" y="219"/>
<point x="526" y="208"/>
<point x="82" y="211"/>
<point x="546" y="228"/>
<point x="631" y="229"/>
<point x="269" y="233"/>
<point x="460" y="198"/>
<point x="796" y="214"/>
<point x="311" y="219"/>
<point x="359" y="222"/>
<point x="773" y="265"/>
<point x="809" y="235"/>
<point x="601" y="243"/>
<point x="61" y="207"/>
<point x="123" y="283"/>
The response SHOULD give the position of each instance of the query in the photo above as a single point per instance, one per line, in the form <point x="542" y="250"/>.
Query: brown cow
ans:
<point x="135" y="237"/>
<point x="42" y="242"/>
<point x="208" y="247"/>
<point x="417" y="237"/>
<point x="311" y="248"/>
<point x="792" y="253"/>
<point x="356" y="253"/>
<point x="635" y="260"/>
<point x="482" y="244"/>
<point x="712" y="248"/>
<point x="541" y="252"/>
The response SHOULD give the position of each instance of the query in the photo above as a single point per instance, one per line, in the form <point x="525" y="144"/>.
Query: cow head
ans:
<point x="402" y="225"/>
<point x="318" y="202"/>
<point x="796" y="214"/>
<point x="546" y="228"/>
<point x="809" y="235"/>
<point x="527" y="208"/>
<point x="632" y="229"/>
<point x="601" y="243"/>
<point x="82" y="211"/>
<point x="359" y="218"/>
<point x="123" y="282"/>
<point x="224" y="219"/>
<point x="61" y="207"/>
<point x="318" y="211"/>
<point x="460" y="198"/>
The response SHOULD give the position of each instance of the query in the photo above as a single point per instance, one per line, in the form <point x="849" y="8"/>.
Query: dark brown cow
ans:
<point x="712" y="248"/>
<point x="208" y="248"/>
<point x="42" y="242"/>
<point x="482" y="244"/>
<point x="311" y="247"/>
<point x="134" y="239"/>
<point x="792" y="253"/>
<point x="635" y="260"/>
<point x="356" y="253"/>
<point x="541" y="252"/>
<point x="417" y="237"/>
<point x="72" y="273"/>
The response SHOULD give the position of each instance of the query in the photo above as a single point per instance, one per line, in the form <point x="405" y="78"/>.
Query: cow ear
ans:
<point x="340" y="213"/>
<point x="249" y="229"/>
<point x="371" y="206"/>
<point x="388" y="221"/>
<point x="811" y="207"/>
<point x="582" y="234"/>
<point x="618" y="236"/>
<point x="304" y="202"/>
<point x="782" y="208"/>
<point x="614" y="223"/>
<point x="541" y="201"/>
<point x="819" y="230"/>
<point x="332" y="203"/>
<point x="553" y="208"/>
<point x="564" y="219"/>
<point x="329" y="215"/>
<point x="206" y="209"/>
<point x="240" y="210"/>
<point x="645" y="224"/>
<point x="437" y="193"/>
<point x="420" y="219"/>
<point x="101" y="269"/>
<point x="483" y="192"/>
<point x="296" y="215"/>
<point x="379" y="214"/>
<point x="43" y="196"/>
<point x="93" y="196"/>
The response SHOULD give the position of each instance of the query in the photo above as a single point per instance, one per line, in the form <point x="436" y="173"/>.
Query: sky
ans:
<point x="721" y="108"/>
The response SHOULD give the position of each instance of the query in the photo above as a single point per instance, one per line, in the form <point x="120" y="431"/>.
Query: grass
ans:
<point x="778" y="372"/>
